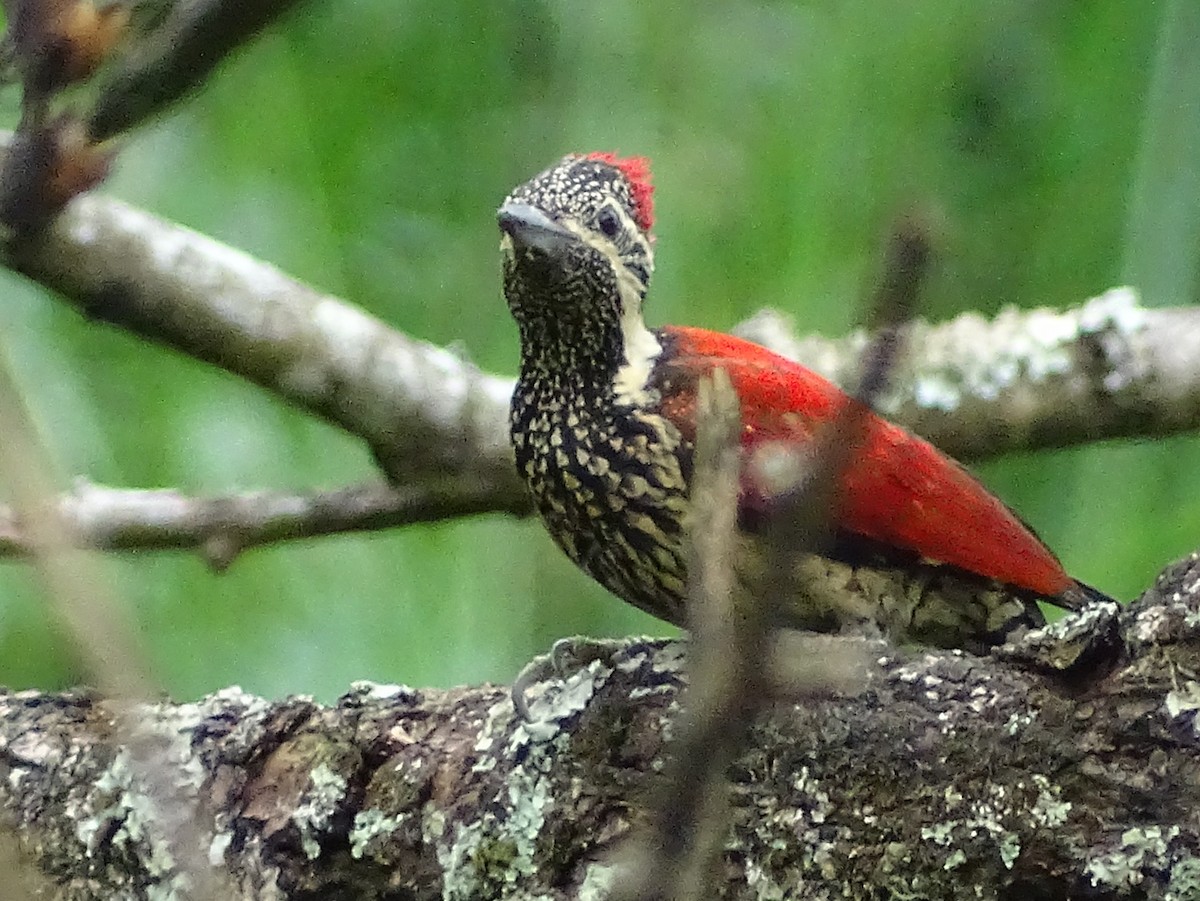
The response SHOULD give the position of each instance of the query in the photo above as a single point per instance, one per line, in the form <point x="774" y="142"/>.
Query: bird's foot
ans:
<point x="565" y="657"/>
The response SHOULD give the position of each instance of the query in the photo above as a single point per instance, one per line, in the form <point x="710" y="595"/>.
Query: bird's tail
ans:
<point x="1080" y="595"/>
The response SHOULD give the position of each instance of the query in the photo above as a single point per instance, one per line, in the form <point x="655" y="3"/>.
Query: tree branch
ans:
<point x="1065" y="766"/>
<point x="976" y="388"/>
<point x="191" y="41"/>
<point x="423" y="410"/>
<point x="115" y="519"/>
<point x="1028" y="379"/>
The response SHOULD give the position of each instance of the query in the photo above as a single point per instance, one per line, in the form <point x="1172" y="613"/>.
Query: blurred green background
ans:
<point x="364" y="147"/>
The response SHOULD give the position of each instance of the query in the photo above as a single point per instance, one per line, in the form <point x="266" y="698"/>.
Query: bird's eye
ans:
<point x="608" y="222"/>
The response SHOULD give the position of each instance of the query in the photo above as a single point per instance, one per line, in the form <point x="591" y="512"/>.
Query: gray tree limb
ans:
<point x="424" y="411"/>
<point x="1067" y="766"/>
<point x="976" y="388"/>
<point x="1027" y="379"/>
<point x="221" y="528"/>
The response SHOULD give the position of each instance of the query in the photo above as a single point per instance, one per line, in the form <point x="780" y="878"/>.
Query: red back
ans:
<point x="897" y="488"/>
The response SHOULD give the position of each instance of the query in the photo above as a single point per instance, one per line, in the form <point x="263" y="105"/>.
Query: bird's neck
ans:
<point x="593" y="362"/>
<point x="565" y="349"/>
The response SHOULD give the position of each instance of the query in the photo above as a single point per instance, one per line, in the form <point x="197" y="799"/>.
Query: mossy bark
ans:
<point x="1064" y="767"/>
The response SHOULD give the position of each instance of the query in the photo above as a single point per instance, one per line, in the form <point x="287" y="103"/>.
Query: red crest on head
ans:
<point x="636" y="170"/>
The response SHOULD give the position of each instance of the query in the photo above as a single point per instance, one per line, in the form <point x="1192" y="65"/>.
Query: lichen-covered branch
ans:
<point x="1028" y="379"/>
<point x="1066" y="766"/>
<point x="423" y="410"/>
<point x="220" y="528"/>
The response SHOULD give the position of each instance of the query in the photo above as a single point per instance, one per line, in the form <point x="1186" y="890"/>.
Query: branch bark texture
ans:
<point x="1027" y="379"/>
<point x="221" y="528"/>
<point x="424" y="411"/>
<point x="1066" y="766"/>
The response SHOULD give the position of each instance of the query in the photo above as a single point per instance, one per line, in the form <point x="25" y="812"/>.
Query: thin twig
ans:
<point x="99" y="627"/>
<point x="726" y="671"/>
<point x="176" y="58"/>
<point x="115" y="519"/>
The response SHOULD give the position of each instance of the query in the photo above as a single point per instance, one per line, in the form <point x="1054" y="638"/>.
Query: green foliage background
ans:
<point x="364" y="146"/>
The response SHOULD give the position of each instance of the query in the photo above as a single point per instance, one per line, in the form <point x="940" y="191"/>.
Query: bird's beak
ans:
<point x="530" y="227"/>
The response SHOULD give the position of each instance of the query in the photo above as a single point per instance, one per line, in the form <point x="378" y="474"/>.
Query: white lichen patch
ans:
<point x="1116" y="316"/>
<point x="671" y="658"/>
<point x="956" y="859"/>
<point x="1184" y="882"/>
<point x="759" y="881"/>
<point x="491" y="855"/>
<point x="248" y="712"/>
<point x="818" y="804"/>
<point x="800" y="823"/>
<point x="551" y="709"/>
<point x="630" y="663"/>
<point x="1118" y="309"/>
<point x="1149" y="624"/>
<point x="1074" y="625"/>
<point x="984" y="818"/>
<point x="146" y="799"/>
<point x="498" y="717"/>
<point x="115" y="801"/>
<point x="981" y="698"/>
<point x="1049" y="809"/>
<point x="486" y="857"/>
<point x="31" y="748"/>
<point x="1029" y="345"/>
<point x="1019" y="721"/>
<point x="913" y="672"/>
<point x="321" y="801"/>
<point x="379" y="691"/>
<point x="1140" y="849"/>
<point x="217" y="847"/>
<point x="1182" y="703"/>
<point x="1010" y="849"/>
<point x="939" y="833"/>
<point x="369" y="825"/>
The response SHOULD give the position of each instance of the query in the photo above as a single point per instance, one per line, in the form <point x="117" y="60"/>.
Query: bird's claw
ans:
<point x="564" y="657"/>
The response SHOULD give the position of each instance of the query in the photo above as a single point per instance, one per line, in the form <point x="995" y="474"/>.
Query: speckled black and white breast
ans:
<point x="608" y="481"/>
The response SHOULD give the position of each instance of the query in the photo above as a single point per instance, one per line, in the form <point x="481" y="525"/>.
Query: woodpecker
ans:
<point x="603" y="422"/>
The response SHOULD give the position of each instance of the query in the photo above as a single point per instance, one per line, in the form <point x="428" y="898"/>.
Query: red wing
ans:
<point x="897" y="489"/>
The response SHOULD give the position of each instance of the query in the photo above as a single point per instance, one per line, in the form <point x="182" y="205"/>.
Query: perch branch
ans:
<point x="1064" y="766"/>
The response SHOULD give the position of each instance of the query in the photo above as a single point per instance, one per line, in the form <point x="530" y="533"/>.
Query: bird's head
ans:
<point x="577" y="246"/>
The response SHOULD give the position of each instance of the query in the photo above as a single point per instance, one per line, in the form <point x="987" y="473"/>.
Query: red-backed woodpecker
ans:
<point x="603" y="425"/>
